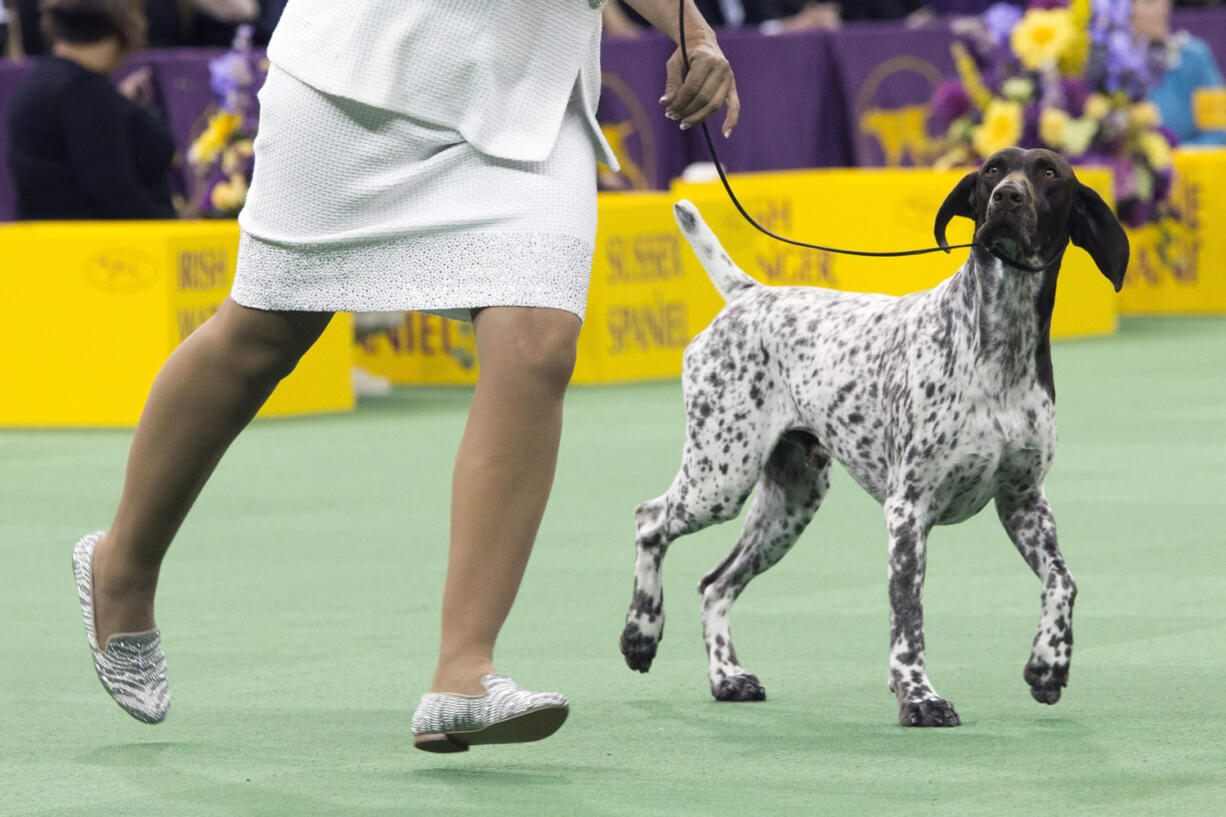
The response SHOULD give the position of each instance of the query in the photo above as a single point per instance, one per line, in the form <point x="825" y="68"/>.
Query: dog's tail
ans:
<point x="728" y="278"/>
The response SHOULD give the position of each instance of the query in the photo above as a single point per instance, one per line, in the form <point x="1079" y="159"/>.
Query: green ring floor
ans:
<point x="299" y="610"/>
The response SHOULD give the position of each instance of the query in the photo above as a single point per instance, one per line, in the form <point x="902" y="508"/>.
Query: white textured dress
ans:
<point x="436" y="155"/>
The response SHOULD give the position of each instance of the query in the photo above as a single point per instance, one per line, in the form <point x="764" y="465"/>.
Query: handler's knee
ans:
<point x="534" y="345"/>
<point x="264" y="347"/>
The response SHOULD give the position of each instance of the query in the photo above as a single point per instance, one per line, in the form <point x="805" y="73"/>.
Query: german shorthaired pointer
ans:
<point x="935" y="403"/>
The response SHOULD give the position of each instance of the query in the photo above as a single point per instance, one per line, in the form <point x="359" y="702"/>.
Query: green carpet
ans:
<point x="299" y="608"/>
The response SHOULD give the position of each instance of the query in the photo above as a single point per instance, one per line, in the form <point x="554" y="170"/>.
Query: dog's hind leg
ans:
<point x="788" y="494"/>
<point x="1029" y="522"/>
<point x="688" y="506"/>
<point x="704" y="492"/>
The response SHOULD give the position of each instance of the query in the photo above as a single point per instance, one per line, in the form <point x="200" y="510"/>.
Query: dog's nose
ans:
<point x="1008" y="194"/>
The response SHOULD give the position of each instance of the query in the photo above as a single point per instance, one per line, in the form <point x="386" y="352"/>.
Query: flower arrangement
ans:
<point x="1070" y="78"/>
<point x="221" y="157"/>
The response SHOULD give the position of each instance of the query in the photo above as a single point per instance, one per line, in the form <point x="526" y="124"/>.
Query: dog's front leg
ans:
<point x="918" y="703"/>
<point x="1029" y="522"/>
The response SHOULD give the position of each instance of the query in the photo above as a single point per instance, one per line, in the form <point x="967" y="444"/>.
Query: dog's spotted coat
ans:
<point x="935" y="403"/>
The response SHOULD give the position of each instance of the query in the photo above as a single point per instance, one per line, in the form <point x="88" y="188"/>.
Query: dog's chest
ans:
<point x="992" y="442"/>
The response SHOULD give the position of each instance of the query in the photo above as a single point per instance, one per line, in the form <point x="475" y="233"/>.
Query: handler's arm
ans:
<point x="709" y="85"/>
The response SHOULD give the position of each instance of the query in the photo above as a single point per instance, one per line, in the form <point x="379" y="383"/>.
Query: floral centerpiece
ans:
<point x="221" y="157"/>
<point x="1071" y="78"/>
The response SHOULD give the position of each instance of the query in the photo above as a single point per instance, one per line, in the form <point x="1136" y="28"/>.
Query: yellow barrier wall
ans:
<point x="649" y="295"/>
<point x="425" y="350"/>
<point x="1179" y="264"/>
<point x="89" y="312"/>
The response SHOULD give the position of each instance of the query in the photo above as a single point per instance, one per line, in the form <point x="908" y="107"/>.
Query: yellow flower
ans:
<point x="230" y="196"/>
<point x="233" y="156"/>
<point x="1156" y="149"/>
<point x="1097" y="107"/>
<point x="1144" y="115"/>
<point x="220" y="128"/>
<point x="1001" y="128"/>
<point x="1042" y="37"/>
<point x="1144" y="180"/>
<point x="954" y="157"/>
<point x="1073" y="63"/>
<point x="1078" y="134"/>
<point x="1053" y="125"/>
<point x="968" y="73"/>
<point x="1018" y="89"/>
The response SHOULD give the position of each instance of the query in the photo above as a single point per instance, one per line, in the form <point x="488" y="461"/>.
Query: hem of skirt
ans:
<point x="448" y="275"/>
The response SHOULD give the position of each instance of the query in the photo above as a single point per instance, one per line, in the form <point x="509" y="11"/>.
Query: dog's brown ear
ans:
<point x="1094" y="228"/>
<point x="959" y="202"/>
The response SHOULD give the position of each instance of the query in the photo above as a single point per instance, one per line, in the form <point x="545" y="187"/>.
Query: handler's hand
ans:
<point x="707" y="87"/>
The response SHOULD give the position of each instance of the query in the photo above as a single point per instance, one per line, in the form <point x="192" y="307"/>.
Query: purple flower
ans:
<point x="999" y="19"/>
<point x="1162" y="183"/>
<point x="1133" y="212"/>
<point x="1111" y="13"/>
<point x="228" y="76"/>
<point x="1125" y="178"/>
<point x="1047" y="5"/>
<point x="949" y="101"/>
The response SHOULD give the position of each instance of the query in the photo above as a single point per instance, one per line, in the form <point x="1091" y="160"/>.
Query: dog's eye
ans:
<point x="990" y="170"/>
<point x="1050" y="173"/>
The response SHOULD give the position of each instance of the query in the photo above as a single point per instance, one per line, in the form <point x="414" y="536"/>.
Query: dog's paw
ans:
<point x="739" y="688"/>
<point x="1046" y="681"/>
<point x="929" y="712"/>
<point x="638" y="649"/>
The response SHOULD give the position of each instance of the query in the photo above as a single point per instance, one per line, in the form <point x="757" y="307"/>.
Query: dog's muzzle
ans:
<point x="1011" y="224"/>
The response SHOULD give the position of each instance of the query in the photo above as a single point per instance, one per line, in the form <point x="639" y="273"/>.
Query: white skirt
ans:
<point x="356" y="208"/>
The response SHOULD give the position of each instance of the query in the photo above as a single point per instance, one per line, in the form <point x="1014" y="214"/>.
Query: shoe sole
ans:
<point x="530" y="726"/>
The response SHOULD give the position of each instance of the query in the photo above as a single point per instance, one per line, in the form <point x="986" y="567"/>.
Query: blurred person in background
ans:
<point x="271" y="14"/>
<point x="170" y="22"/>
<point x="80" y="147"/>
<point x="213" y="22"/>
<point x="1189" y="65"/>
<point x="10" y="33"/>
<point x="913" y="12"/>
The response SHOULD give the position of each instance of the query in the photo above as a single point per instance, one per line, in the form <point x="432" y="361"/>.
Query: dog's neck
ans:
<point x="1007" y="318"/>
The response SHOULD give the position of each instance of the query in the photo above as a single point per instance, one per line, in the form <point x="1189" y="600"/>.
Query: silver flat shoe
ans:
<point x="446" y="722"/>
<point x="132" y="668"/>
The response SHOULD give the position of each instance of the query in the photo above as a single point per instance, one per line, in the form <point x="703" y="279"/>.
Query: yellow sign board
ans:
<point x="1177" y="264"/>
<point x="649" y="296"/>
<point x="424" y="350"/>
<point x="1209" y="108"/>
<point x="89" y="312"/>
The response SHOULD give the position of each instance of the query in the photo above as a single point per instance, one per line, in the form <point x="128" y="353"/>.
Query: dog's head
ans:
<point x="1028" y="204"/>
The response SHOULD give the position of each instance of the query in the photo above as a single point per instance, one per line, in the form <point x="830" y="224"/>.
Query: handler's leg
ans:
<point x="503" y="475"/>
<point x="207" y="392"/>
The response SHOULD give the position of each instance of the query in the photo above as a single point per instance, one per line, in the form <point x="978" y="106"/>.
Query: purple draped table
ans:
<point x="856" y="97"/>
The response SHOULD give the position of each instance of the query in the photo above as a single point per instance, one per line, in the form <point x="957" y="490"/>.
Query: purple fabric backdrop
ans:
<point x="888" y="75"/>
<point x="811" y="99"/>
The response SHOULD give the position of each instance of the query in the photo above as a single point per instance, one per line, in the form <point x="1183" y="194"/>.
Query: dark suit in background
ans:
<point x="80" y="150"/>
